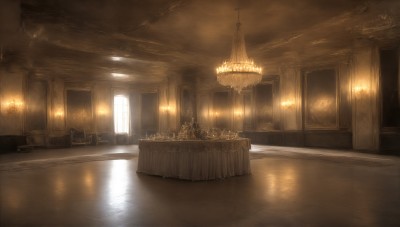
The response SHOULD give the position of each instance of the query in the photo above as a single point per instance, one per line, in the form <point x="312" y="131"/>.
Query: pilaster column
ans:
<point x="57" y="111"/>
<point x="291" y="98"/>
<point x="365" y="96"/>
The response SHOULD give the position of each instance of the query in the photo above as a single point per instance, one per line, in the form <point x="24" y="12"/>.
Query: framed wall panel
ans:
<point x="36" y="105"/>
<point x="263" y="107"/>
<point x="321" y="99"/>
<point x="149" y="113"/>
<point x="187" y="105"/>
<point x="79" y="109"/>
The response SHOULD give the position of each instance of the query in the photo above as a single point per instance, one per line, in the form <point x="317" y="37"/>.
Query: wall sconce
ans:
<point x="102" y="112"/>
<point x="168" y="109"/>
<point x="14" y="107"/>
<point x="216" y="114"/>
<point x="288" y="104"/>
<point x="238" y="113"/>
<point x="165" y="109"/>
<point x="360" y="90"/>
<point x="58" y="114"/>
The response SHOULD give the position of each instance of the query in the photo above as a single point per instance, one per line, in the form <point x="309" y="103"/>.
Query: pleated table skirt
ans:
<point x="195" y="159"/>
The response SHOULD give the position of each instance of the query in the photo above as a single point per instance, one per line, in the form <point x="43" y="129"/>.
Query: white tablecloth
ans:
<point x="195" y="159"/>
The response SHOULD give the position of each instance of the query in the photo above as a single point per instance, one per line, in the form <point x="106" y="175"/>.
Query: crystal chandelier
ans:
<point x="239" y="71"/>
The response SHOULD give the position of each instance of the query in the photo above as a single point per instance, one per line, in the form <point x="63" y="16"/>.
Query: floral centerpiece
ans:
<point x="191" y="131"/>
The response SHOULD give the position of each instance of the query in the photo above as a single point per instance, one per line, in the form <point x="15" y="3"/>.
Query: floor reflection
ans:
<point x="281" y="183"/>
<point x="118" y="182"/>
<point x="13" y="200"/>
<point x="281" y="191"/>
<point x="59" y="186"/>
<point x="88" y="182"/>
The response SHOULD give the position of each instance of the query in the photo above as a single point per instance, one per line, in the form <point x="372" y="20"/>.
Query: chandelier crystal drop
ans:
<point x="239" y="71"/>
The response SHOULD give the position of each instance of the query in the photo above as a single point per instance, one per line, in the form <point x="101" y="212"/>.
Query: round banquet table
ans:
<point x="195" y="159"/>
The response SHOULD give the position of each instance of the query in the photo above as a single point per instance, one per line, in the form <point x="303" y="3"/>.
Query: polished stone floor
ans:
<point x="287" y="187"/>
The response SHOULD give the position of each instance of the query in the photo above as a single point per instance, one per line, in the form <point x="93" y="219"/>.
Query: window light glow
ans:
<point x="121" y="114"/>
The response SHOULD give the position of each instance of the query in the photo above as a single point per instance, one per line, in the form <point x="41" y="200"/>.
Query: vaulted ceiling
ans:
<point x="145" y="41"/>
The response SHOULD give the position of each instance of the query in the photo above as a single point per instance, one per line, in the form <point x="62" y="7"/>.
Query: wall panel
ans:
<point x="320" y="96"/>
<point x="79" y="109"/>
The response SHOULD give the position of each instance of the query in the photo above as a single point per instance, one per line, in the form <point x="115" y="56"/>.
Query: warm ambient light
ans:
<point x="360" y="89"/>
<point x="102" y="112"/>
<point x="59" y="114"/>
<point x="238" y="112"/>
<point x="165" y="108"/>
<point x="168" y="109"/>
<point x="14" y="106"/>
<point x="287" y="104"/>
<point x="119" y="75"/>
<point x="102" y="109"/>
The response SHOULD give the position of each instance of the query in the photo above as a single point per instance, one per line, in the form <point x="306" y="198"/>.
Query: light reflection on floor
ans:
<point x="281" y="184"/>
<point x="118" y="182"/>
<point x="282" y="191"/>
